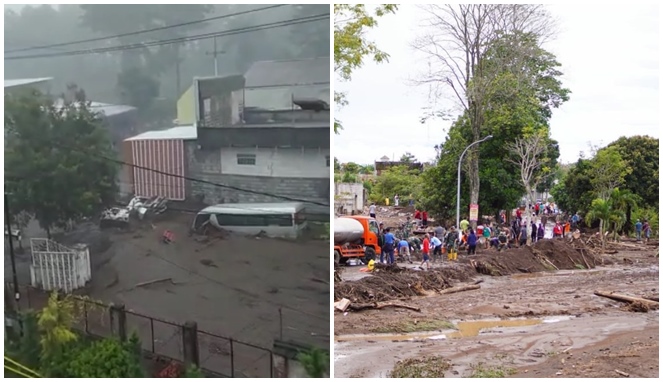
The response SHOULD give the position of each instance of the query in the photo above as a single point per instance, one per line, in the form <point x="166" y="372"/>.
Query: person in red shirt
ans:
<point x="424" y="218"/>
<point x="557" y="230"/>
<point x="426" y="250"/>
<point x="417" y="217"/>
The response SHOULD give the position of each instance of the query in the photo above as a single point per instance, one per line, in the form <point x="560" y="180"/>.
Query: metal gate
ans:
<point x="56" y="267"/>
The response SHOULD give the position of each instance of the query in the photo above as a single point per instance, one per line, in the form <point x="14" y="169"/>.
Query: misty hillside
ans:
<point x="153" y="76"/>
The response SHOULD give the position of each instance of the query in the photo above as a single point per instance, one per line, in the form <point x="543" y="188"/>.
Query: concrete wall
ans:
<point x="310" y="183"/>
<point x="349" y="197"/>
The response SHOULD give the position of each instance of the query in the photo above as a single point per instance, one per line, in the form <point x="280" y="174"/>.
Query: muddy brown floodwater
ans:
<point x="540" y="325"/>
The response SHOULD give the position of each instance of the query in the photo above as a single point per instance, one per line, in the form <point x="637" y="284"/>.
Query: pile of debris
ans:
<point x="544" y="255"/>
<point x="138" y="206"/>
<point x="592" y="244"/>
<point x="391" y="282"/>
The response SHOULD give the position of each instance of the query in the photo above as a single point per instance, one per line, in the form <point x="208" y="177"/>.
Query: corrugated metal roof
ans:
<point x="290" y="72"/>
<point x="179" y="132"/>
<point x="25" y="81"/>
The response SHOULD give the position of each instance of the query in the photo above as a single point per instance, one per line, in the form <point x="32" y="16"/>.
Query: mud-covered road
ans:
<point x="556" y="326"/>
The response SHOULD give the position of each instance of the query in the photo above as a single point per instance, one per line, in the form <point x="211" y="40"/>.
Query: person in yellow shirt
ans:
<point x="464" y="224"/>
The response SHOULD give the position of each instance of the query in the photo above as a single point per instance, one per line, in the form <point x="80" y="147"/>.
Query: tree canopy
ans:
<point x="519" y="100"/>
<point x="351" y="47"/>
<point x="49" y="171"/>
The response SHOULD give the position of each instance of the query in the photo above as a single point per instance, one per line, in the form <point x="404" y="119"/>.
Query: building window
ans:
<point x="327" y="158"/>
<point x="246" y="159"/>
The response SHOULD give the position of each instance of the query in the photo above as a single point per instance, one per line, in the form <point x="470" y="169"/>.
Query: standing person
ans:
<point x="404" y="249"/>
<point x="646" y="229"/>
<point x="464" y="224"/>
<point x="451" y="243"/>
<point x="472" y="243"/>
<point x="638" y="230"/>
<point x="533" y="227"/>
<point x="396" y="199"/>
<point x="536" y="209"/>
<point x="371" y="210"/>
<point x="486" y="236"/>
<point x="574" y="221"/>
<point x="426" y="250"/>
<point x="424" y="219"/>
<point x="503" y="240"/>
<point x="523" y="235"/>
<point x="557" y="230"/>
<point x="540" y="232"/>
<point x="388" y="250"/>
<point x="436" y="244"/>
<point x="439" y="230"/>
<point x="417" y="217"/>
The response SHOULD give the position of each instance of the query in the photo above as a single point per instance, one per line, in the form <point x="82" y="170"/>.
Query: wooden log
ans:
<point x="624" y="298"/>
<point x="622" y="373"/>
<point x="460" y="289"/>
<point x="653" y="298"/>
<point x="358" y="307"/>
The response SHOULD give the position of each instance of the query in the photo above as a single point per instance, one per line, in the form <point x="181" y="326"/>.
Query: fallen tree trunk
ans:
<point x="358" y="307"/>
<point x="624" y="298"/>
<point x="460" y="289"/>
<point x="653" y="298"/>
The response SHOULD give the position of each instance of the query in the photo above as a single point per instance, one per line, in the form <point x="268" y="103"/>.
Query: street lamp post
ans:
<point x="460" y="161"/>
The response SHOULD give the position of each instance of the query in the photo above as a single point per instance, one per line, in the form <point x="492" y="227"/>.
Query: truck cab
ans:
<point x="366" y="247"/>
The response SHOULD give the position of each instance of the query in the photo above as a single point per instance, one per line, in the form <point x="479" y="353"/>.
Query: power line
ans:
<point x="50" y="46"/>
<point x="65" y="147"/>
<point x="231" y="32"/>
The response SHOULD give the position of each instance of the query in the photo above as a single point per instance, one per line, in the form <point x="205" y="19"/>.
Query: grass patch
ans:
<point x="579" y="266"/>
<point x="426" y="367"/>
<point x="483" y="371"/>
<point x="414" y="326"/>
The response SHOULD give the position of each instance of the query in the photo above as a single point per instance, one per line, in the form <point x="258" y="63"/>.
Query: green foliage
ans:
<point x="26" y="348"/>
<point x="337" y="165"/>
<point x="605" y="211"/>
<point x="193" y="372"/>
<point x="107" y="358"/>
<point x="607" y="171"/>
<point x="351" y="21"/>
<point x="574" y="192"/>
<point x="46" y="177"/>
<point x="315" y="362"/>
<point x="641" y="154"/>
<point x="519" y="87"/>
<point x="399" y="180"/>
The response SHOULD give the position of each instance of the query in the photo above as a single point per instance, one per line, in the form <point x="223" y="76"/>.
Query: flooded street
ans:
<point x="544" y="324"/>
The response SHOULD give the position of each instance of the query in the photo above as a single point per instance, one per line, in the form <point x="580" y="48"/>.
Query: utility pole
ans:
<point x="215" y="53"/>
<point x="17" y="294"/>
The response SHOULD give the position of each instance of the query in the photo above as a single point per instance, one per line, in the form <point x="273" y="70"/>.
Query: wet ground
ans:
<point x="526" y="325"/>
<point x="250" y="289"/>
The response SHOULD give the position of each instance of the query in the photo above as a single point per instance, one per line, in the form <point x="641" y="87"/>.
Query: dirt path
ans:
<point x="562" y="311"/>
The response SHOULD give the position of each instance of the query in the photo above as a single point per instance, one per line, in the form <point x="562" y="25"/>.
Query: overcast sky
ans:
<point x="609" y="56"/>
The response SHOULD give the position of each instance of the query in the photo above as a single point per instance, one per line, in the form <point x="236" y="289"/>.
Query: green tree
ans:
<point x="408" y="158"/>
<point x="315" y="362"/>
<point x="624" y="201"/>
<point x="351" y="48"/>
<point x="337" y="165"/>
<point x="396" y="180"/>
<point x="351" y="168"/>
<point x="642" y="157"/>
<point x="485" y="55"/>
<point x="574" y="192"/>
<point x="45" y="174"/>
<point x="607" y="171"/>
<point x="603" y="211"/>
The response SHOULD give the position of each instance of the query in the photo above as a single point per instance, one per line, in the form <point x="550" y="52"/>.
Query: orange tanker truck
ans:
<point x="355" y="237"/>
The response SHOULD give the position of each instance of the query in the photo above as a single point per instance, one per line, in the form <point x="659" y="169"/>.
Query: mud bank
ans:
<point x="508" y="346"/>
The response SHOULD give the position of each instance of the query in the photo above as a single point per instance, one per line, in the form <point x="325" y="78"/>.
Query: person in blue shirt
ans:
<point x="472" y="243"/>
<point x="436" y="244"/>
<point x="389" y="245"/>
<point x="638" y="230"/>
<point x="404" y="249"/>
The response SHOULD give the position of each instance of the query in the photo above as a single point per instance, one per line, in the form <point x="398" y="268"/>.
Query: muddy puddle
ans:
<point x="463" y="329"/>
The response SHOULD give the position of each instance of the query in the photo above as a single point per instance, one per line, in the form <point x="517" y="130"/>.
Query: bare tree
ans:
<point x="455" y="42"/>
<point x="529" y="154"/>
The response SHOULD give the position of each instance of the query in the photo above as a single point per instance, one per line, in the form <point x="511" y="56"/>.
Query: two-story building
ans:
<point x="256" y="137"/>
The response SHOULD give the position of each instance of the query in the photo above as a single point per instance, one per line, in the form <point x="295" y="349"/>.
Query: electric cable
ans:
<point x="203" y="36"/>
<point x="134" y="33"/>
